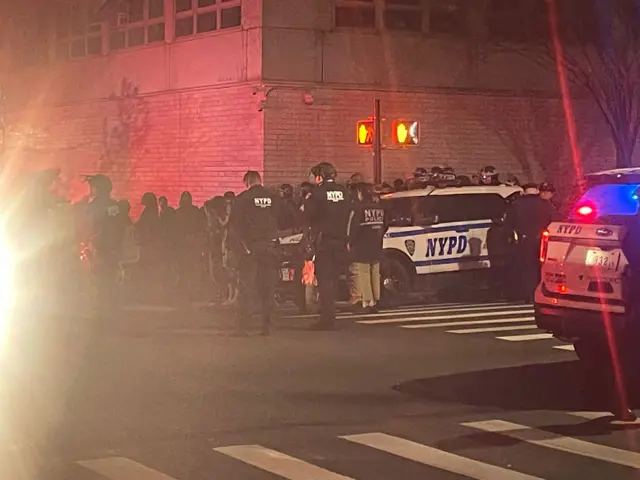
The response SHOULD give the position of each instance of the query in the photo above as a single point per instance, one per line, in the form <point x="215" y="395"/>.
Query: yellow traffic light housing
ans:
<point x="406" y="132"/>
<point x="364" y="133"/>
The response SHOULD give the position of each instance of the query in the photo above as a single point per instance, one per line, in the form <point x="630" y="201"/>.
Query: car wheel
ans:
<point x="395" y="282"/>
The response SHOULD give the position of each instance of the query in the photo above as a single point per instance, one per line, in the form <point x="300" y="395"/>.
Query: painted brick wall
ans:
<point x="202" y="141"/>
<point x="525" y="136"/>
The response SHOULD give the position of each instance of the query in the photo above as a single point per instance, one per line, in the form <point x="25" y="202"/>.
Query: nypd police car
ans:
<point x="439" y="234"/>
<point x="580" y="296"/>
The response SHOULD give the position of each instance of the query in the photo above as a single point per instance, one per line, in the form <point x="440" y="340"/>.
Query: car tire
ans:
<point x="395" y="282"/>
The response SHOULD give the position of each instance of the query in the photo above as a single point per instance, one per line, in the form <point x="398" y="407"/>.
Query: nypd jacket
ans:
<point x="328" y="210"/>
<point x="254" y="216"/>
<point x="365" y="229"/>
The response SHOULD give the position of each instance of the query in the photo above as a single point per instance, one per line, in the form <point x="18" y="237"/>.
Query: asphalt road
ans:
<point x="439" y="392"/>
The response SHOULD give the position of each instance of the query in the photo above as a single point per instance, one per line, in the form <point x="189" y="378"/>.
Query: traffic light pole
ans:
<point x="377" y="143"/>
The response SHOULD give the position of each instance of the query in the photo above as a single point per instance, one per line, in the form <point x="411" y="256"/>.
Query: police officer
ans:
<point x="289" y="215"/>
<point x="328" y="209"/>
<point x="527" y="217"/>
<point x="254" y="221"/>
<point x="366" y="228"/>
<point x="107" y="229"/>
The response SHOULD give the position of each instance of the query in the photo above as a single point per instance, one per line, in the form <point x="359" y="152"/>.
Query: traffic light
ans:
<point x="364" y="132"/>
<point x="406" y="132"/>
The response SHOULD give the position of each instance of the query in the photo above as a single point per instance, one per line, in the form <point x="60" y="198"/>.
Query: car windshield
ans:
<point x="608" y="203"/>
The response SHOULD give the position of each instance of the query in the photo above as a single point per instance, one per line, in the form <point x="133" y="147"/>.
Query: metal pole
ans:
<point x="377" y="143"/>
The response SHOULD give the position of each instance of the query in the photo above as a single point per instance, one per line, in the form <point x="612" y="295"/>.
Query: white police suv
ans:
<point x="435" y="231"/>
<point x="439" y="231"/>
<point x="579" y="297"/>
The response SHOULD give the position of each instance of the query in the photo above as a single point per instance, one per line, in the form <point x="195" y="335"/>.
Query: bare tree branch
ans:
<point x="600" y="55"/>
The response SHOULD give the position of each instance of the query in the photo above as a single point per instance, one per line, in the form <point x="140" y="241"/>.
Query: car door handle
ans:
<point x="461" y="229"/>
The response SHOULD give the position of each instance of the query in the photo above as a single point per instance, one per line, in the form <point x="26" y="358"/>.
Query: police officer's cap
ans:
<point x="100" y="182"/>
<point x="355" y="179"/>
<point x="547" y="187"/>
<point x="324" y="170"/>
<point x="489" y="170"/>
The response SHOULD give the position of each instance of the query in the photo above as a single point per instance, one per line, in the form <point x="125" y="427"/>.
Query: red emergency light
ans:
<point x="544" y="246"/>
<point x="585" y="211"/>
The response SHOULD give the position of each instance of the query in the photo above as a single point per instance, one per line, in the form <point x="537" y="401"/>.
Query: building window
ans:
<point x="136" y="23"/>
<point x="355" y="13"/>
<point x="448" y="17"/>
<point x="77" y="32"/>
<point x="35" y="45"/>
<point x="403" y="15"/>
<point x="517" y="21"/>
<point x="202" y="16"/>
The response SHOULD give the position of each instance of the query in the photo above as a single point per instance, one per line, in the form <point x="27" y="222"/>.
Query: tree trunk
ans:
<point x="624" y="153"/>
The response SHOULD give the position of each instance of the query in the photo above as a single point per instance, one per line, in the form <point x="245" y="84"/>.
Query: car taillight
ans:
<point x="544" y="246"/>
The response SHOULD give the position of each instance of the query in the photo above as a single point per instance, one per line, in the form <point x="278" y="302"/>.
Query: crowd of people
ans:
<point x="189" y="250"/>
<point x="202" y="253"/>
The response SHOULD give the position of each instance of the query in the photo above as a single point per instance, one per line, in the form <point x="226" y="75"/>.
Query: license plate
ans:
<point x="286" y="274"/>
<point x="605" y="260"/>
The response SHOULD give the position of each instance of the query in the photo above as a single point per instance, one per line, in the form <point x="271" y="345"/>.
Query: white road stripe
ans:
<point x="471" y="322"/>
<point x="120" y="468"/>
<point x="279" y="463"/>
<point x="527" y="338"/>
<point x="590" y="415"/>
<point x="436" y="308"/>
<point x="494" y="329"/>
<point x="603" y="415"/>
<point x="446" y="317"/>
<point x="436" y="458"/>
<point x="563" y="444"/>
<point x="569" y="348"/>
<point x="460" y="309"/>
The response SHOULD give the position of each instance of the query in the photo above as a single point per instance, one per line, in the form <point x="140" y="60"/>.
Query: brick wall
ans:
<point x="201" y="140"/>
<point x="525" y="136"/>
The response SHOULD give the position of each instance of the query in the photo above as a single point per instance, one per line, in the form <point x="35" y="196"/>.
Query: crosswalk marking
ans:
<point x="568" y="348"/>
<point x="445" y="317"/>
<point x="278" y="463"/>
<point x="426" y="313"/>
<point x="436" y="458"/>
<point x="527" y="338"/>
<point x="120" y="468"/>
<point x="459" y="308"/>
<point x="470" y="322"/>
<point x="493" y="329"/>
<point x="556" y="442"/>
<point x="435" y="308"/>
<point x="590" y="415"/>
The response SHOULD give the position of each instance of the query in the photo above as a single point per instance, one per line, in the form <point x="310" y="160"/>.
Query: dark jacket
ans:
<point x="108" y="225"/>
<point x="529" y="215"/>
<point x="366" y="228"/>
<point x="328" y="210"/>
<point x="254" y="216"/>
